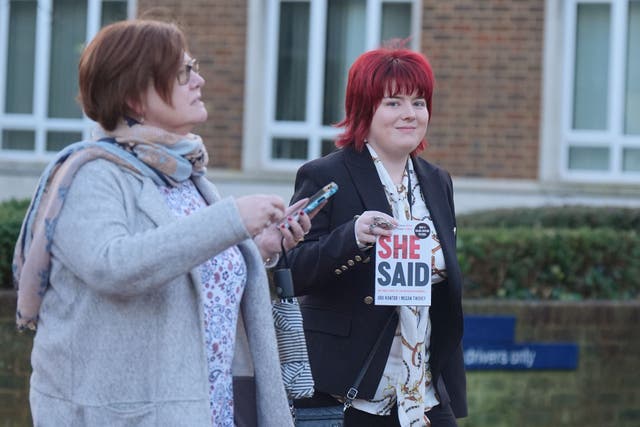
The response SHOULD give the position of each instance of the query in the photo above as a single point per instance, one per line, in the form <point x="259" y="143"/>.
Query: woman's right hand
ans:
<point x="371" y="224"/>
<point x="260" y="211"/>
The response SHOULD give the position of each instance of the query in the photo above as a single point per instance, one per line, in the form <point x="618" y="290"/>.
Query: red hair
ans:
<point x="374" y="75"/>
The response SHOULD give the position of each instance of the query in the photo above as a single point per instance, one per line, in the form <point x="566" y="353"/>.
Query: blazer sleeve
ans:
<point x="317" y="262"/>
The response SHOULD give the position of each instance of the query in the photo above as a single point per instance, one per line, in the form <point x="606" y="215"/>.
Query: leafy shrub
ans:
<point x="552" y="252"/>
<point x="11" y="216"/>
<point x="547" y="263"/>
<point x="555" y="216"/>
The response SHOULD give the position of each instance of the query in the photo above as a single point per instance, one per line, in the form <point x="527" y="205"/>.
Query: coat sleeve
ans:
<point x="111" y="244"/>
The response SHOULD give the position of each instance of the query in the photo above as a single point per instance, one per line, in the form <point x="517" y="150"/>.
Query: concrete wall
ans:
<point x="604" y="391"/>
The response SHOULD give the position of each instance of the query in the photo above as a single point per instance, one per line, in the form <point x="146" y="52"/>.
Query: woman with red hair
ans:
<point x="391" y="365"/>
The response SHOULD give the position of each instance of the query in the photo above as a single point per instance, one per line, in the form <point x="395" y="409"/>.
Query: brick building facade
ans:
<point x="517" y="113"/>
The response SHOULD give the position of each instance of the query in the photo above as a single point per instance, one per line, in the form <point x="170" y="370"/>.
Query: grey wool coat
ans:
<point x="120" y="340"/>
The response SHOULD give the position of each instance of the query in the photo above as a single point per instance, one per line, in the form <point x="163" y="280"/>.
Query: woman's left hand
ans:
<point x="269" y="239"/>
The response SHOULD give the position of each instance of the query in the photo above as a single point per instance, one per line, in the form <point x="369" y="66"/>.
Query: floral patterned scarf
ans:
<point x="164" y="157"/>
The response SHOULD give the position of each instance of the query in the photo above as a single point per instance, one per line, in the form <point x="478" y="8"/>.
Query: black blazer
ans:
<point x="336" y="279"/>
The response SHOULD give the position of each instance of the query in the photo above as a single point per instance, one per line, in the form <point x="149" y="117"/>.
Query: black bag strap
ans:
<point x="353" y="390"/>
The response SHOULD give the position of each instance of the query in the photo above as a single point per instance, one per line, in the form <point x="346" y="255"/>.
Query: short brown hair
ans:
<point x="118" y="65"/>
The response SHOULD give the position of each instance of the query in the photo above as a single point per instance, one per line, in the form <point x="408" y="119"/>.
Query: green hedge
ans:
<point x="572" y="216"/>
<point x="11" y="216"/>
<point x="546" y="263"/>
<point x="559" y="252"/>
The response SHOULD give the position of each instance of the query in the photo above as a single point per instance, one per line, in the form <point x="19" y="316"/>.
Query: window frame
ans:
<point x="37" y="121"/>
<point x="312" y="128"/>
<point x="613" y="136"/>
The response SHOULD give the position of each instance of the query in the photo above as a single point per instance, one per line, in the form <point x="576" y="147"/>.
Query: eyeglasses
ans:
<point x="184" y="73"/>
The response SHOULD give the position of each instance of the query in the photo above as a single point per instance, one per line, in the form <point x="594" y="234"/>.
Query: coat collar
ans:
<point x="151" y="202"/>
<point x="367" y="183"/>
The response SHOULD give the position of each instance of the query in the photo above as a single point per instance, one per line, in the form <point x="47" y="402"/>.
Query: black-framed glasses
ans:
<point x="184" y="73"/>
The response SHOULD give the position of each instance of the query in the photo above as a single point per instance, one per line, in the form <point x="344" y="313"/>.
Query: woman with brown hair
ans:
<point x="137" y="274"/>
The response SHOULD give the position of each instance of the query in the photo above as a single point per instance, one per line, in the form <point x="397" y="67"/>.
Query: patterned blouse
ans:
<point x="223" y="280"/>
<point x="386" y="395"/>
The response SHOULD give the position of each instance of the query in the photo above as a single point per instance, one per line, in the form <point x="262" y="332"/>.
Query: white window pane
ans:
<point x="56" y="141"/>
<point x="631" y="160"/>
<point x="68" y="35"/>
<point x="21" y="57"/>
<point x="328" y="146"/>
<point x="396" y="21"/>
<point x="632" y="101"/>
<point x="112" y="11"/>
<point x="346" y="28"/>
<point x="590" y="103"/>
<point x="293" y="55"/>
<point x="289" y="148"/>
<point x="589" y="158"/>
<point x="18" y="140"/>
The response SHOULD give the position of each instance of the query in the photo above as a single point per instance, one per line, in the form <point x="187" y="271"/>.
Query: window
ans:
<point x="311" y="46"/>
<point x="601" y="120"/>
<point x="43" y="40"/>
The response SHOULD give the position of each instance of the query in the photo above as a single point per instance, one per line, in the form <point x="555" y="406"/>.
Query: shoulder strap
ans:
<point x="353" y="390"/>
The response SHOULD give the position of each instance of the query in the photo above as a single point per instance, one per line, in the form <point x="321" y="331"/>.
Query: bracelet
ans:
<point x="271" y="261"/>
<point x="363" y="246"/>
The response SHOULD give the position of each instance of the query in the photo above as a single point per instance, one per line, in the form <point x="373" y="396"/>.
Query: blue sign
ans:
<point x="488" y="344"/>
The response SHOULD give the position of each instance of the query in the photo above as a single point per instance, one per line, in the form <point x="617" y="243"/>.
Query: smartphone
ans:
<point x="323" y="194"/>
<point x="317" y="199"/>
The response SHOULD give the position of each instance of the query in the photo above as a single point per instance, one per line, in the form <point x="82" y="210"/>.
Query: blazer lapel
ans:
<point x="366" y="180"/>
<point x="438" y="205"/>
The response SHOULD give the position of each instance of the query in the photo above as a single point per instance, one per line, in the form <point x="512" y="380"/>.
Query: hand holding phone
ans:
<point x="317" y="199"/>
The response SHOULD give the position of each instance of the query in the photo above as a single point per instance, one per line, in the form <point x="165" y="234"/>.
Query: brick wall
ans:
<point x="604" y="391"/>
<point x="216" y="33"/>
<point x="486" y="55"/>
<point x="487" y="59"/>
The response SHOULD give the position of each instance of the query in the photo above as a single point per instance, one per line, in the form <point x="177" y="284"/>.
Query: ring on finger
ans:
<point x="371" y="227"/>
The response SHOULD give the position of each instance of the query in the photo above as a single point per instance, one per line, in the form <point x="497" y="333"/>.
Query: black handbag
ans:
<point x="323" y="410"/>
<point x="322" y="416"/>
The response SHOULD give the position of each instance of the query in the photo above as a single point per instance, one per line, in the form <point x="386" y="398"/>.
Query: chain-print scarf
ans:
<point x="164" y="157"/>
<point x="411" y="384"/>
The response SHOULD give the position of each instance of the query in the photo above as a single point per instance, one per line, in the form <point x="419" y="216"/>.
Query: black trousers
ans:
<point x="440" y="416"/>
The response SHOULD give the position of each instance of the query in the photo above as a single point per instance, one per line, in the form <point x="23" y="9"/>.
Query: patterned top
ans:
<point x="401" y="384"/>
<point x="223" y="280"/>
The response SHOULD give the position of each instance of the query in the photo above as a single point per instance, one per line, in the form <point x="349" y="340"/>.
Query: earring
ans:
<point x="141" y="120"/>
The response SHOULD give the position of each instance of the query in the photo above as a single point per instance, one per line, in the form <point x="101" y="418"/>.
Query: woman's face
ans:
<point x="187" y="111"/>
<point x="398" y="125"/>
